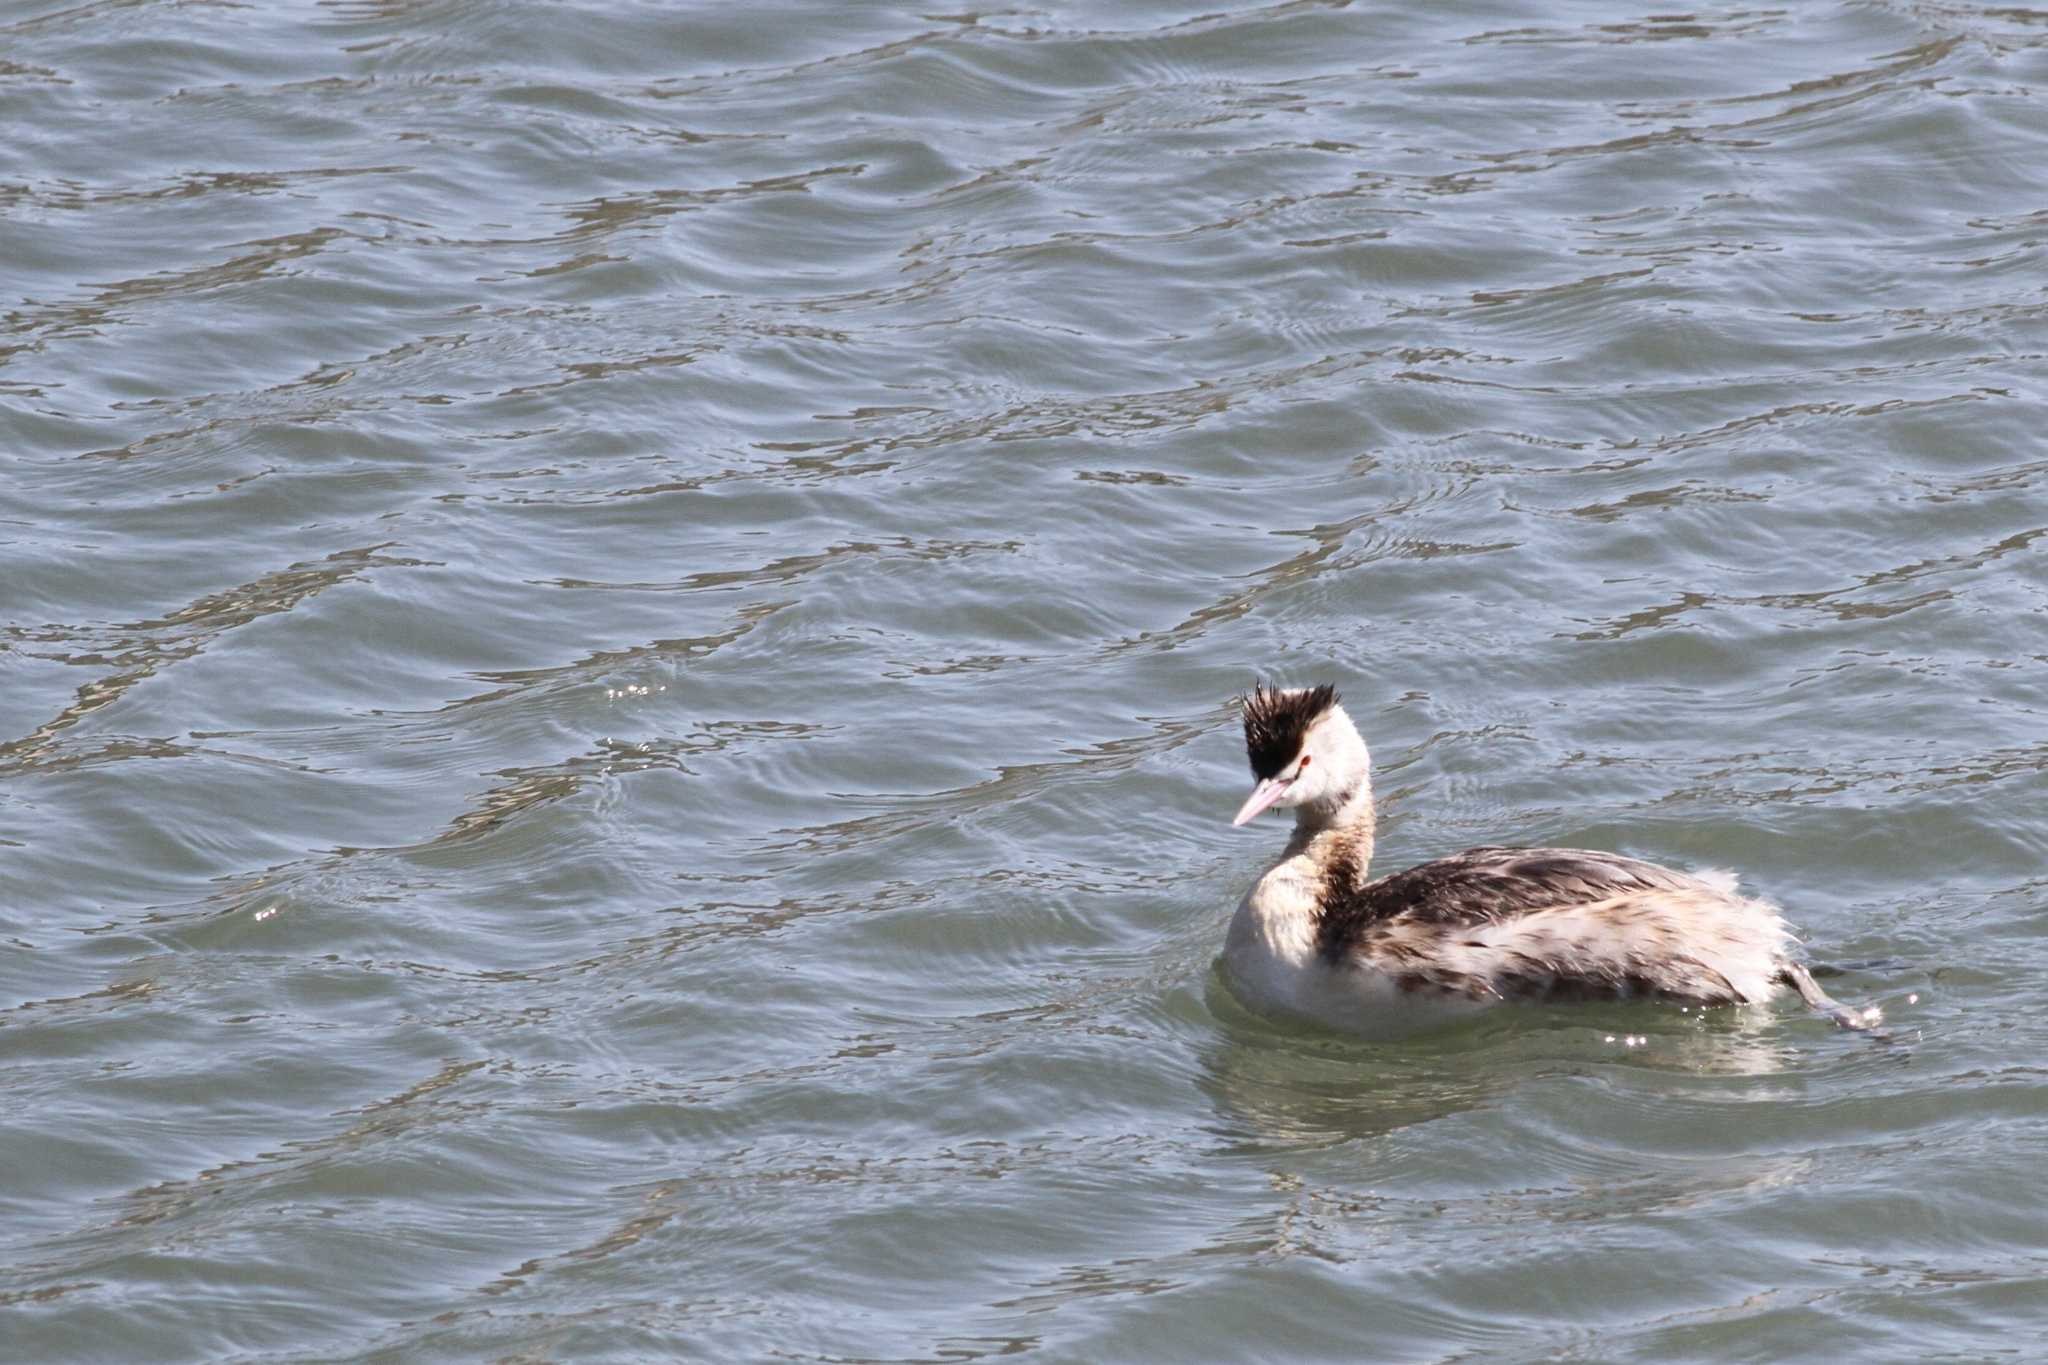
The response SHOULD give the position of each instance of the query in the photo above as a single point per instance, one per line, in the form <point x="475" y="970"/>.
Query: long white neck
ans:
<point x="1276" y="927"/>
<point x="1334" y="827"/>
<point x="1338" y="830"/>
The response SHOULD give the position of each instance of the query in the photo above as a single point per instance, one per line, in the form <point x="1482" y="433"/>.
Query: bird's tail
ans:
<point x="1799" y="979"/>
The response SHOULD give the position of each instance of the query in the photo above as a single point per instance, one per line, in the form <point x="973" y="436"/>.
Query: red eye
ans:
<point x="1304" y="763"/>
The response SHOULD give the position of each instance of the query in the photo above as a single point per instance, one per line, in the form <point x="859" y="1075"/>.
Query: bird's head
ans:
<point x="1304" y="750"/>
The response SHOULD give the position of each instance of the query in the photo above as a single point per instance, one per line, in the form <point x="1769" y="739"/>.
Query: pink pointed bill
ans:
<point x="1263" y="795"/>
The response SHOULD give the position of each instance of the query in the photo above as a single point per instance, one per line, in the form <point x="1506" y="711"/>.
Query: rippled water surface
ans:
<point x="616" y="632"/>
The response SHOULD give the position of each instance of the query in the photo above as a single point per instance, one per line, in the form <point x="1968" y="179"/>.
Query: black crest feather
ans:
<point x="1276" y="722"/>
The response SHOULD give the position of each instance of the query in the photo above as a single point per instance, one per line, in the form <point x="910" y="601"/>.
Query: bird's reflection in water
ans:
<point x="1280" y="1084"/>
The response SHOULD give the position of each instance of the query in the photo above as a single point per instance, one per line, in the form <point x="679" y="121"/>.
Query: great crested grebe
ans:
<point x="1314" y="938"/>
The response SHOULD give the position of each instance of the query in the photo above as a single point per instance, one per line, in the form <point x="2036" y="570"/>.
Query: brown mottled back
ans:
<point x="1483" y="886"/>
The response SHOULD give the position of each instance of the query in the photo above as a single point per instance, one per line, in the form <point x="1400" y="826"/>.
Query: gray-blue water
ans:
<point x="616" y="632"/>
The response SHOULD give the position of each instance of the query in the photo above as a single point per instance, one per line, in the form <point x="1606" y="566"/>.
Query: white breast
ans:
<point x="1270" y="960"/>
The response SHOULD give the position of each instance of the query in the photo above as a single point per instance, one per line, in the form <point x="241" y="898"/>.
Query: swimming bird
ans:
<point x="1315" y="938"/>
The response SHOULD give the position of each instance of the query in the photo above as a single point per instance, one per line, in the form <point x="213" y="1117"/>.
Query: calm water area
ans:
<point x="618" y="625"/>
